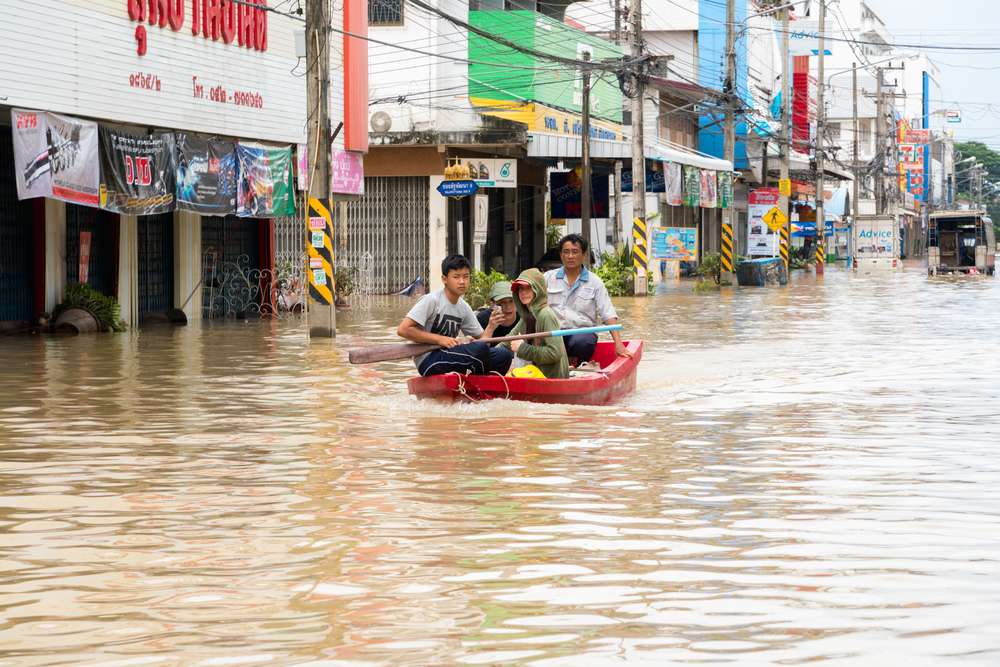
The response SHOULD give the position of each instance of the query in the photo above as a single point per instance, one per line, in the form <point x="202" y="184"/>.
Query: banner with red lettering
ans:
<point x="709" y="189"/>
<point x="206" y="175"/>
<point x="74" y="159"/>
<point x="31" y="153"/>
<point x="137" y="171"/>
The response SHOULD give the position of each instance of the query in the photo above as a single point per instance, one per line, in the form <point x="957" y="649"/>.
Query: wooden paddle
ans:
<point x="393" y="352"/>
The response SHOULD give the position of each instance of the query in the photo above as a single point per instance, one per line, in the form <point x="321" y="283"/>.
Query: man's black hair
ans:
<point x="577" y="239"/>
<point x="454" y="263"/>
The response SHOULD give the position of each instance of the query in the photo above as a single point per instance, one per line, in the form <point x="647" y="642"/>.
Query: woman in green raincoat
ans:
<point x="532" y="301"/>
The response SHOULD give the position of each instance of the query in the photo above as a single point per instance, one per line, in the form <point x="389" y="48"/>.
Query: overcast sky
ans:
<point x="969" y="81"/>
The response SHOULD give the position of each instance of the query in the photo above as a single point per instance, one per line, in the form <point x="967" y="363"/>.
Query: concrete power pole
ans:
<point x="638" y="142"/>
<point x="856" y="189"/>
<point x="879" y="144"/>
<point x="727" y="241"/>
<point x="786" y="140"/>
<point x="585" y="156"/>
<point x="322" y="317"/>
<point x="820" y="128"/>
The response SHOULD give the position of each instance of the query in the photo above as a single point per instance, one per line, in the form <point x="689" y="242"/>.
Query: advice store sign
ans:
<point x="217" y="67"/>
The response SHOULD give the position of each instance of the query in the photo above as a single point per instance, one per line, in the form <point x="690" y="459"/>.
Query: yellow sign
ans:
<point x="540" y="118"/>
<point x="775" y="219"/>
<point x="785" y="187"/>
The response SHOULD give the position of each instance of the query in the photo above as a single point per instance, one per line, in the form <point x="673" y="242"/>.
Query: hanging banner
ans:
<point x="692" y="186"/>
<point x="264" y="187"/>
<point x="74" y="158"/>
<point x="674" y="180"/>
<point x="761" y="242"/>
<point x="565" y="199"/>
<point x="206" y="175"/>
<point x="725" y="189"/>
<point x="709" y="189"/>
<point x="31" y="153"/>
<point x="302" y="167"/>
<point x="137" y="172"/>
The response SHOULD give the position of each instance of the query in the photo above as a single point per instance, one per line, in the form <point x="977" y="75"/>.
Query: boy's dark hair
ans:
<point x="454" y="263"/>
<point x="574" y="238"/>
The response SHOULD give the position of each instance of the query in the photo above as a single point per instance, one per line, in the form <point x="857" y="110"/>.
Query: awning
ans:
<point x="561" y="146"/>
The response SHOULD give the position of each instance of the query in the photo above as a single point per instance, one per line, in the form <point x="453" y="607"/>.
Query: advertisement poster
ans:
<point x="74" y="159"/>
<point x="302" y="167"/>
<point x="206" y="175"/>
<point x="347" y="173"/>
<point x="725" y="189"/>
<point x="31" y="153"/>
<point x="492" y="172"/>
<point x="83" y="274"/>
<point x="674" y="184"/>
<point x="264" y="185"/>
<point x="692" y="186"/>
<point x="761" y="242"/>
<point x="654" y="180"/>
<point x="565" y="187"/>
<point x="137" y="172"/>
<point x="675" y="243"/>
<point x="709" y="189"/>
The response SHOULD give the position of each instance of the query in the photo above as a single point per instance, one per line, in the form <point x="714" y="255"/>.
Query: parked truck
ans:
<point x="876" y="244"/>
<point x="960" y="242"/>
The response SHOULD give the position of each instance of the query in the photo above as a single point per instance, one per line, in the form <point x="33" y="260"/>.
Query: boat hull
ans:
<point x="614" y="382"/>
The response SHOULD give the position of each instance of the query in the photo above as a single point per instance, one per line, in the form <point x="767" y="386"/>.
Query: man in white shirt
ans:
<point x="580" y="299"/>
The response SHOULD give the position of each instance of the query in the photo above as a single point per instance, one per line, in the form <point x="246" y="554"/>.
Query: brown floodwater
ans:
<point x="809" y="474"/>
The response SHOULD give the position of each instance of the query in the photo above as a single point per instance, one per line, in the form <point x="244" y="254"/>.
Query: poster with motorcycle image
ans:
<point x="137" y="172"/>
<point x="264" y="186"/>
<point x="206" y="175"/>
<point x="31" y="153"/>
<point x="74" y="159"/>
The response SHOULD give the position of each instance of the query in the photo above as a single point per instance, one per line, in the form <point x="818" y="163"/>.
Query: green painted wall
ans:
<point x="547" y="82"/>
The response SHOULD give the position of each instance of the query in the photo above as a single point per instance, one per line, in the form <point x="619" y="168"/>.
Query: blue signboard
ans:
<point x="457" y="188"/>
<point x="654" y="181"/>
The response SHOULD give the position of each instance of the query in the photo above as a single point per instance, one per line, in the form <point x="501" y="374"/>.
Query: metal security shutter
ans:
<point x="15" y="241"/>
<point x="390" y="223"/>
<point x="232" y="238"/>
<point x="103" y="247"/>
<point x="156" y="264"/>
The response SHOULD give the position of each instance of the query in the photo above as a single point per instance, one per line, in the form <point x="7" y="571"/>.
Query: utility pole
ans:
<point x="585" y="155"/>
<point x="856" y="189"/>
<point x="786" y="140"/>
<point x="726" y="241"/>
<point x="618" y="23"/>
<point x="322" y="316"/>
<point x="820" y="127"/>
<point x="616" y="235"/>
<point x="879" y="145"/>
<point x="638" y="142"/>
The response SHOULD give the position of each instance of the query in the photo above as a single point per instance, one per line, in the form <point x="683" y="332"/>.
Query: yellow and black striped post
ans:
<point x="727" y="248"/>
<point x="785" y="246"/>
<point x="820" y="254"/>
<point x="319" y="241"/>
<point x="640" y="256"/>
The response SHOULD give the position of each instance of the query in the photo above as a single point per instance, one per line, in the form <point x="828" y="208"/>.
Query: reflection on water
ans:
<point x="804" y="474"/>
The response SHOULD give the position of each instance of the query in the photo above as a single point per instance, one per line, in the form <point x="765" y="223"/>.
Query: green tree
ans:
<point x="990" y="159"/>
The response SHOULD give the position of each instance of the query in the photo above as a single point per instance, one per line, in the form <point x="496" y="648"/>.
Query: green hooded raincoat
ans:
<point x="549" y="354"/>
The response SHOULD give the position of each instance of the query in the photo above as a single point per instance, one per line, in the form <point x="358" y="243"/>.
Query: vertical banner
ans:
<point x="31" y="153"/>
<point x="264" y="188"/>
<point x="692" y="186"/>
<point x="302" y="166"/>
<point x="709" y="189"/>
<point x="319" y="237"/>
<point x="674" y="184"/>
<point x="83" y="274"/>
<point x="725" y="189"/>
<point x="206" y="175"/>
<point x="74" y="159"/>
<point x="761" y="242"/>
<point x="138" y="172"/>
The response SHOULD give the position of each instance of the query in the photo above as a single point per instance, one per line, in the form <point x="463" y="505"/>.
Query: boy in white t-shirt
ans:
<point x="438" y="318"/>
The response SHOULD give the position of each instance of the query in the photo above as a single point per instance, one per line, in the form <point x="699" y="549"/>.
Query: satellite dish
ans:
<point x="381" y="122"/>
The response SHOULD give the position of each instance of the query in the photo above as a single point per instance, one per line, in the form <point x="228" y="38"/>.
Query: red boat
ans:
<point x="612" y="383"/>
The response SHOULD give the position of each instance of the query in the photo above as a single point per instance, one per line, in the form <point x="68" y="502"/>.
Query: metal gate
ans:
<point x="156" y="263"/>
<point x="15" y="241"/>
<point x="232" y="278"/>
<point x="103" y="229"/>
<point x="290" y="263"/>
<point x="391" y="223"/>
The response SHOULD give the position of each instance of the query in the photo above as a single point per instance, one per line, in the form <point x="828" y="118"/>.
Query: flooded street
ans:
<point x="804" y="474"/>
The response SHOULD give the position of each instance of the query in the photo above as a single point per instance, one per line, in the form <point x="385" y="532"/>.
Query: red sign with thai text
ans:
<point x="242" y="21"/>
<point x="83" y="274"/>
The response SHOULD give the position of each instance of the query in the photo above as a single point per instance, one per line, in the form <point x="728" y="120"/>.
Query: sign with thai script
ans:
<point x="138" y="172"/>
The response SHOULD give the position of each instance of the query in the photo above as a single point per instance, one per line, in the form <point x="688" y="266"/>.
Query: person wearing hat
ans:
<point x="503" y="299"/>
<point x="531" y="300"/>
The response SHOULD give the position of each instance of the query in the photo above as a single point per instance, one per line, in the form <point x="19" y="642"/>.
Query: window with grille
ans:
<point x="385" y="12"/>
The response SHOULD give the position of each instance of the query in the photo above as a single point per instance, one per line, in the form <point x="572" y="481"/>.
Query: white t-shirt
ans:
<point x="437" y="315"/>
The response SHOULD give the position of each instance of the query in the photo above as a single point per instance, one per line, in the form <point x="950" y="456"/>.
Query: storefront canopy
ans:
<point x="559" y="146"/>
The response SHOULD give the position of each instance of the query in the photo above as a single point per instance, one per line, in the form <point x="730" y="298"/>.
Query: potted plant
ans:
<point x="84" y="310"/>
